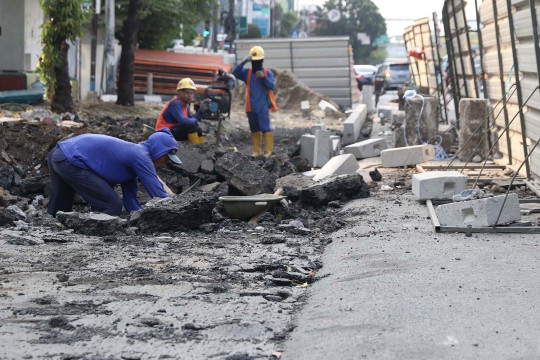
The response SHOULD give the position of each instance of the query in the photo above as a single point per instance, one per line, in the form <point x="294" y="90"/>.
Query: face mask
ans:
<point x="257" y="65"/>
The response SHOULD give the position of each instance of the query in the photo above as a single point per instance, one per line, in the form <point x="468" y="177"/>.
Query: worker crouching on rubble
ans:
<point x="91" y="165"/>
<point x="177" y="117"/>
<point x="260" y="99"/>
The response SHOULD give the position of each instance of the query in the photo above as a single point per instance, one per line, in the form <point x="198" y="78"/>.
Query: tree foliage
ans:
<point x="286" y="22"/>
<point x="357" y="16"/>
<point x="63" y="22"/>
<point x="161" y="20"/>
<point x="253" y="32"/>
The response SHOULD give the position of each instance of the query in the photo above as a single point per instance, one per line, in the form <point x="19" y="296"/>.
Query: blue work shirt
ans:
<point x="174" y="114"/>
<point x="259" y="88"/>
<point x="121" y="162"/>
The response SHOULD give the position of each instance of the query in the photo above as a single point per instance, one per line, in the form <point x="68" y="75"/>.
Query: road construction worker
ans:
<point x="260" y="99"/>
<point x="91" y="165"/>
<point x="177" y="117"/>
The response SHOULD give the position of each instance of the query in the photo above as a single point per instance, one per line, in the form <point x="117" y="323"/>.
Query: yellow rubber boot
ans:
<point x="201" y="139"/>
<point x="269" y="143"/>
<point x="256" y="139"/>
<point x="193" y="138"/>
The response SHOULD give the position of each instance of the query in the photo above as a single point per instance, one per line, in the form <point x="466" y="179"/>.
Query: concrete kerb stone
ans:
<point x="316" y="127"/>
<point x="480" y="213"/>
<point x="353" y="124"/>
<point x="438" y="185"/>
<point x="338" y="165"/>
<point x="322" y="148"/>
<point x="471" y="114"/>
<point x="307" y="148"/>
<point x="336" y="145"/>
<point x="367" y="148"/>
<point x="405" y="156"/>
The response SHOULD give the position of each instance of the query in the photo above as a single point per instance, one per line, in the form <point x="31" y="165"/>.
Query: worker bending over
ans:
<point x="91" y="165"/>
<point x="260" y="99"/>
<point x="177" y="117"/>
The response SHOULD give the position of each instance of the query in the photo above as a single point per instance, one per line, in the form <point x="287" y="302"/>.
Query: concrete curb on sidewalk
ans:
<point x="140" y="98"/>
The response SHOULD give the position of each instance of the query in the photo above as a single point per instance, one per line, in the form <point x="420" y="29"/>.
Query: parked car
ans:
<point x="395" y="74"/>
<point x="364" y="74"/>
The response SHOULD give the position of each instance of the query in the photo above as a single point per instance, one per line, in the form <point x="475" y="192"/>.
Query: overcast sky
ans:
<point x="407" y="10"/>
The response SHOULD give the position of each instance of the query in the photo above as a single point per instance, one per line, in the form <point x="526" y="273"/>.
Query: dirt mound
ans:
<point x="290" y="92"/>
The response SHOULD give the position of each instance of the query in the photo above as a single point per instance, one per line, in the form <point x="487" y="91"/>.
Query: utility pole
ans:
<point x="109" y="49"/>
<point x="215" y="27"/>
<point x="232" y="26"/>
<point x="96" y="4"/>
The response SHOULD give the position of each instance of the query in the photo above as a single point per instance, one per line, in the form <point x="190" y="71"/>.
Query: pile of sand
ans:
<point x="290" y="92"/>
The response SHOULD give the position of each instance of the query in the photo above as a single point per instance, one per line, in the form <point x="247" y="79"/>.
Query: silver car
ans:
<point x="395" y="74"/>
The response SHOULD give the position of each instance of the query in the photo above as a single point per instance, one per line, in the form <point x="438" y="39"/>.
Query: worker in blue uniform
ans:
<point x="260" y="99"/>
<point x="91" y="165"/>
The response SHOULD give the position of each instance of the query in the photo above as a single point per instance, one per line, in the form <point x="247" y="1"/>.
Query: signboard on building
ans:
<point x="260" y="16"/>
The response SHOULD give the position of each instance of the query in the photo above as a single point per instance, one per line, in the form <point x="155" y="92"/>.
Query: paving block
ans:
<point x="480" y="213"/>
<point x="336" y="145"/>
<point x="353" y="124"/>
<point x="322" y="149"/>
<point x="316" y="127"/>
<point x="307" y="148"/>
<point x="367" y="148"/>
<point x="411" y="155"/>
<point x="338" y="165"/>
<point x="439" y="185"/>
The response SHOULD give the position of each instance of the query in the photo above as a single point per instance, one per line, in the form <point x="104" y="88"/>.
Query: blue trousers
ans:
<point x="259" y="121"/>
<point x="68" y="179"/>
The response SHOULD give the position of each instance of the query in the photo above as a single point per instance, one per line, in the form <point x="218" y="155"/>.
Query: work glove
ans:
<point x="246" y="60"/>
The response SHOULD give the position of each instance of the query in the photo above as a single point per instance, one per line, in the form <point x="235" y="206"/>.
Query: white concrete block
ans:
<point x="403" y="156"/>
<point x="338" y="165"/>
<point x="307" y="148"/>
<point x="367" y="148"/>
<point x="322" y="149"/>
<point x="311" y="173"/>
<point x="304" y="105"/>
<point x="353" y="124"/>
<point x="336" y="145"/>
<point x="316" y="127"/>
<point x="480" y="213"/>
<point x="439" y="185"/>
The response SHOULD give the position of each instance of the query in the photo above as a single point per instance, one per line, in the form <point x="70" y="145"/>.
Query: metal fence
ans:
<point x="509" y="54"/>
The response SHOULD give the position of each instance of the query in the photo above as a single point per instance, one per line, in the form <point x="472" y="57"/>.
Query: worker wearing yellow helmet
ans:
<point x="260" y="99"/>
<point x="177" y="116"/>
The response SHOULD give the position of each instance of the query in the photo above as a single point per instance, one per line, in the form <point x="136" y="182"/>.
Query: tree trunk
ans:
<point x="127" y="58"/>
<point x="62" y="100"/>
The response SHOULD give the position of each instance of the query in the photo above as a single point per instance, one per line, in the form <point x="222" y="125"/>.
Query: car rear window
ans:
<point x="399" y="67"/>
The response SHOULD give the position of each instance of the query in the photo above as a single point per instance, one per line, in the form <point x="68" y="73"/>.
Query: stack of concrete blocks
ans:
<point x="407" y="156"/>
<point x="367" y="97"/>
<point x="353" y="124"/>
<point x="480" y="213"/>
<point x="306" y="109"/>
<point x="429" y="122"/>
<point x="449" y="136"/>
<point x="438" y="185"/>
<point x="316" y="148"/>
<point x="471" y="114"/>
<point x="338" y="165"/>
<point x="367" y="148"/>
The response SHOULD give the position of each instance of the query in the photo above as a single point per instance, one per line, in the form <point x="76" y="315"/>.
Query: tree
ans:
<point x="253" y="32"/>
<point x="126" y="93"/>
<point x="63" y="23"/>
<point x="162" y="20"/>
<point x="287" y="24"/>
<point x="357" y="16"/>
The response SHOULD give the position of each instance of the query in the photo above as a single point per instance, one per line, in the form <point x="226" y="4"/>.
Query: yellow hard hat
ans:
<point x="186" y="83"/>
<point x="256" y="53"/>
